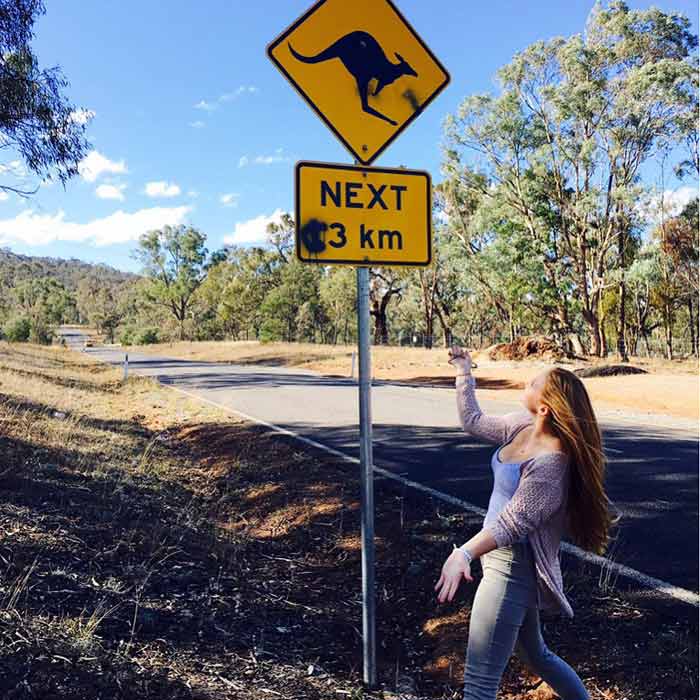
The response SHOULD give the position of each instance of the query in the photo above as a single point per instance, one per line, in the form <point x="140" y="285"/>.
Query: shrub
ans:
<point x="126" y="335"/>
<point x="17" y="330"/>
<point x="146" y="336"/>
<point x="40" y="332"/>
<point x="271" y="330"/>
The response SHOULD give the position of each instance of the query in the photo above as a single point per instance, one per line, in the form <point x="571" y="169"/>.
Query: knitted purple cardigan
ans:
<point x="538" y="506"/>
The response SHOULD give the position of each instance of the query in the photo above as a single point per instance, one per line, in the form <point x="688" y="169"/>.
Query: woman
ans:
<point x="549" y="474"/>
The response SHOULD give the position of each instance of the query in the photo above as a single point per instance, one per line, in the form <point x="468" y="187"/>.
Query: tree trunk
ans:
<point x="621" y="348"/>
<point x="603" y="342"/>
<point x="668" y="331"/>
<point x="693" y="334"/>
<point x="429" y="320"/>
<point x="576" y="343"/>
<point x="443" y="317"/>
<point x="592" y="320"/>
<point x="429" y="326"/>
<point x="381" y="333"/>
<point x="378" y="310"/>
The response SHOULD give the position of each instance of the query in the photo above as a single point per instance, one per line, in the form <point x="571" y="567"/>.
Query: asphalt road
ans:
<point x="652" y="469"/>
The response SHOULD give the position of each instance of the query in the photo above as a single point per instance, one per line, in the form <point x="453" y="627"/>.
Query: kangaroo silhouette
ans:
<point x="365" y="60"/>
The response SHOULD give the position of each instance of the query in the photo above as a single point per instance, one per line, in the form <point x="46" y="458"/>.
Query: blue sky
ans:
<point x="186" y="99"/>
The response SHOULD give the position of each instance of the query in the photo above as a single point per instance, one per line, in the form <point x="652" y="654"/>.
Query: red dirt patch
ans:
<point x="528" y="347"/>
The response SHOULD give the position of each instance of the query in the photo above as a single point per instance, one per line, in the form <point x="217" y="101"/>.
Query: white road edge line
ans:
<point x="659" y="585"/>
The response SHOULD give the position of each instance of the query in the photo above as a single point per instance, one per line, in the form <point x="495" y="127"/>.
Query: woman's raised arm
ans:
<point x="495" y="429"/>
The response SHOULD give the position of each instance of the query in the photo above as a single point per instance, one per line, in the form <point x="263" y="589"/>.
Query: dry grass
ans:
<point x="154" y="547"/>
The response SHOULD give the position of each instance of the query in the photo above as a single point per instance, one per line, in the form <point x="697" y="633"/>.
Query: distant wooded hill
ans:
<point x="15" y="268"/>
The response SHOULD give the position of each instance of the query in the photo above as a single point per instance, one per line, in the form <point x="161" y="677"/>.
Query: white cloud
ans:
<point x="673" y="203"/>
<point x="253" y="230"/>
<point x="82" y="116"/>
<point x="14" y="167"/>
<point x="4" y="196"/>
<point x="161" y="188"/>
<point x="206" y="106"/>
<point x="111" y="192"/>
<point x="242" y="90"/>
<point x="95" y="164"/>
<point x="268" y="160"/>
<point x="230" y="199"/>
<point x="199" y="124"/>
<point x="277" y="157"/>
<point x="193" y="193"/>
<point x="119" y="227"/>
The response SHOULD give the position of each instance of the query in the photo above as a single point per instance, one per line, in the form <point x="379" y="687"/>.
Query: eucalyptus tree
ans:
<point x="101" y="303"/>
<point x="292" y="310"/>
<point x="441" y="284"/>
<point x="642" y="278"/>
<point x="37" y="121"/>
<point x="338" y="292"/>
<point x="450" y="287"/>
<point x="679" y="245"/>
<point x="174" y="261"/>
<point x="504" y="265"/>
<point x="44" y="302"/>
<point x="280" y="235"/>
<point x="562" y="146"/>
<point x="247" y="276"/>
<point x="385" y="284"/>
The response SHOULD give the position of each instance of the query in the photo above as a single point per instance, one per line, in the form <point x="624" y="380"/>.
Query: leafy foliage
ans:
<point x="36" y="119"/>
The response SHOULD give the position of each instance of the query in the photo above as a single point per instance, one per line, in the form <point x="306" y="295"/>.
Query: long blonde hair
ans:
<point x="573" y="421"/>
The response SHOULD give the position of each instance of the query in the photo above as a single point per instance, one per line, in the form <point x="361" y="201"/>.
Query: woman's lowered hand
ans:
<point x="454" y="568"/>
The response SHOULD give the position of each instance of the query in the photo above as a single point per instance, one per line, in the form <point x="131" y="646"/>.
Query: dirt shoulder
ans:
<point x="155" y="547"/>
<point x="669" y="388"/>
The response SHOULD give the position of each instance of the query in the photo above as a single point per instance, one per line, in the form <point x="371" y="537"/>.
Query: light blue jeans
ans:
<point x="505" y="618"/>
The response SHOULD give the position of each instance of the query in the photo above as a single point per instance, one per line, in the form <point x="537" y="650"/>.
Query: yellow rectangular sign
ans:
<point x="362" y="68"/>
<point x="359" y="215"/>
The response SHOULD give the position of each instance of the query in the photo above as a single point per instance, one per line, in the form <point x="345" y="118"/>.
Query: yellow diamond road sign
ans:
<point x="360" y="215"/>
<point x="362" y="68"/>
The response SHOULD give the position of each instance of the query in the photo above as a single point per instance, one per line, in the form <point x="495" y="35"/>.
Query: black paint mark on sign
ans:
<point x="312" y="235"/>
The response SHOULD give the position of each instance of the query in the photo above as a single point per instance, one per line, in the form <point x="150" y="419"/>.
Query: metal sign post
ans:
<point x="340" y="56"/>
<point x="367" y="479"/>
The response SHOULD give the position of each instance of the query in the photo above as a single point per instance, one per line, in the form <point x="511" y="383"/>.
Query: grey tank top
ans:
<point x="506" y="476"/>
